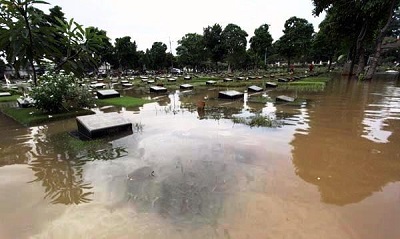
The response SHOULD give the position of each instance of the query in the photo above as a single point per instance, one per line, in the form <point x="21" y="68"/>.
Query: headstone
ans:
<point x="187" y="78"/>
<point x="284" y="98"/>
<point x="100" y="125"/>
<point x="255" y="88"/>
<point x="230" y="94"/>
<point x="228" y="80"/>
<point x="283" y="80"/>
<point x="271" y="84"/>
<point x="171" y="80"/>
<point x="186" y="86"/>
<point x="211" y="82"/>
<point x="105" y="94"/>
<point x="158" y="89"/>
<point x="3" y="94"/>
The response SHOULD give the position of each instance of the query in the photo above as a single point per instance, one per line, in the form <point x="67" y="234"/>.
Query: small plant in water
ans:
<point x="258" y="120"/>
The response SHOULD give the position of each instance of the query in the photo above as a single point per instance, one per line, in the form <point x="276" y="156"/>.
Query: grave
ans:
<point x="158" y="89"/>
<point x="271" y="85"/>
<point x="100" y="125"/>
<point x="284" y="98"/>
<point x="98" y="86"/>
<point x="187" y="77"/>
<point x="254" y="88"/>
<point x="25" y="102"/>
<point x="228" y="80"/>
<point x="230" y="94"/>
<point x="150" y="82"/>
<point x="171" y="80"/>
<point x="241" y="78"/>
<point x="186" y="86"/>
<point x="283" y="80"/>
<point x="126" y="85"/>
<point x="3" y="94"/>
<point x="105" y="94"/>
<point x="211" y="82"/>
<point x="252" y="77"/>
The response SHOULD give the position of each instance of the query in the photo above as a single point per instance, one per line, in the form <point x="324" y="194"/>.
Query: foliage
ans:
<point x="296" y="41"/>
<point x="157" y="56"/>
<point x="261" y="41"/>
<point x="258" y="120"/>
<point x="191" y="50"/>
<point x="32" y="116"/>
<point x="125" y="101"/>
<point x="125" y="52"/>
<point x="214" y="43"/>
<point x="59" y="92"/>
<point x="234" y="40"/>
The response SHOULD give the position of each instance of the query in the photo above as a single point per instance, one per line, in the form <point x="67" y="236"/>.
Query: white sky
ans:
<point x="148" y="21"/>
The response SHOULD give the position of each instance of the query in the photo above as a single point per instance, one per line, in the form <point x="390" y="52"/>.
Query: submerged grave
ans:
<point x="186" y="86"/>
<point x="271" y="85"/>
<point x="158" y="89"/>
<point x="100" y="125"/>
<point x="254" y="88"/>
<point x="285" y="98"/>
<point x="230" y="94"/>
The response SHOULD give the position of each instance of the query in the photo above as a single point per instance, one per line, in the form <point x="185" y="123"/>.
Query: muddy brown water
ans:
<point x="332" y="170"/>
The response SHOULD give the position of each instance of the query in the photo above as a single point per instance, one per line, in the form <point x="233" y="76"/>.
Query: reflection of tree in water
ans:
<point x="59" y="162"/>
<point x="345" y="167"/>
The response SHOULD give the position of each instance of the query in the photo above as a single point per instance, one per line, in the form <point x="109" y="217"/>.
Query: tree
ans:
<point x="234" y="41"/>
<point x="214" y="43"/>
<point x="157" y="56"/>
<point x="296" y="41"/>
<point x="191" y="50"/>
<point x="125" y="51"/>
<point x="260" y="42"/>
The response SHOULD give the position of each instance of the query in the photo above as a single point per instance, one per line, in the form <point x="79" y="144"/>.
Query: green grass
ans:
<point x="125" y="101"/>
<point x="9" y="98"/>
<point x="32" y="116"/>
<point x="311" y="84"/>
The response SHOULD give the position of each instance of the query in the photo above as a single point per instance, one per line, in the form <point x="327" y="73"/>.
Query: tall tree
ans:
<point x="191" y="50"/>
<point x="234" y="41"/>
<point x="214" y="43"/>
<point x="125" y="51"/>
<point x="260" y="42"/>
<point x="296" y="41"/>
<point x="158" y="56"/>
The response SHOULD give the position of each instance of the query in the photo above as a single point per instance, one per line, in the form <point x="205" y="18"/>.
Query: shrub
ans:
<point x="59" y="92"/>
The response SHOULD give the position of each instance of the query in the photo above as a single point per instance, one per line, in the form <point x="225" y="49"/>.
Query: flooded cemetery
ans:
<point x="209" y="158"/>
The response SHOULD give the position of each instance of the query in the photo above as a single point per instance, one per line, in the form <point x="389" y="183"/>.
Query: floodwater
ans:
<point x="331" y="170"/>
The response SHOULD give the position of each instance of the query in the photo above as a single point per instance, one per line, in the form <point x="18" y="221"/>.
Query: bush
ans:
<point x="59" y="92"/>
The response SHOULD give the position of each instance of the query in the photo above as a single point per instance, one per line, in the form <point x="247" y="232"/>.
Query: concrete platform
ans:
<point x="254" y="88"/>
<point x="105" y="94"/>
<point x="158" y="89"/>
<point x="25" y="102"/>
<point x="98" y="86"/>
<point x="4" y="94"/>
<point x="228" y="80"/>
<point x="171" y="80"/>
<point x="187" y="78"/>
<point x="284" y="98"/>
<point x="271" y="85"/>
<point x="241" y="78"/>
<point x="211" y="82"/>
<point x="127" y="85"/>
<point x="283" y="80"/>
<point x="186" y="86"/>
<point x="230" y="94"/>
<point x="100" y="125"/>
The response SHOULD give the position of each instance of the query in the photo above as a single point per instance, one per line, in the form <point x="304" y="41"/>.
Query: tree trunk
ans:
<point x="378" y="44"/>
<point x="30" y="54"/>
<point x="361" y="61"/>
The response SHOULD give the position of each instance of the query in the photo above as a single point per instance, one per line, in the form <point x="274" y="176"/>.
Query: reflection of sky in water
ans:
<point x="377" y="115"/>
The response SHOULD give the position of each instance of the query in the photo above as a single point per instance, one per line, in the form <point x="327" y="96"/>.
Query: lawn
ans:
<point x="9" y="98"/>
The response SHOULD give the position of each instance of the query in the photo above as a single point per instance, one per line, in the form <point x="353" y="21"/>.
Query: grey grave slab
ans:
<point x="98" y="85"/>
<point x="284" y="98"/>
<point x="126" y="85"/>
<point x="230" y="94"/>
<point x="187" y="78"/>
<point x="228" y="80"/>
<point x="283" y="80"/>
<point x="3" y="94"/>
<point x="124" y="81"/>
<point x="104" y="94"/>
<point x="255" y="88"/>
<point x="241" y="78"/>
<point x="252" y="77"/>
<point x="271" y="85"/>
<point x="186" y="86"/>
<point x="171" y="80"/>
<point x="100" y="125"/>
<point x="158" y="89"/>
<point x="150" y="81"/>
<point x="211" y="82"/>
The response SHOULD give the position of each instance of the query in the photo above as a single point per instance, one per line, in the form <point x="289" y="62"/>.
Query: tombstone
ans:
<point x="124" y="81"/>
<point x="187" y="78"/>
<point x="98" y="86"/>
<point x="100" y="125"/>
<point x="127" y="85"/>
<point x="211" y="82"/>
<point x="283" y="80"/>
<point x="295" y="78"/>
<point x="228" y="80"/>
<point x="254" y="88"/>
<point x="171" y="80"/>
<point x="271" y="85"/>
<point x="186" y="86"/>
<point x="259" y="77"/>
<point x="230" y="94"/>
<point x="284" y="98"/>
<point x="241" y="78"/>
<point x="105" y="94"/>
<point x="252" y="77"/>
<point x="158" y="89"/>
<point x="150" y="82"/>
<point x="25" y="102"/>
<point x="4" y="94"/>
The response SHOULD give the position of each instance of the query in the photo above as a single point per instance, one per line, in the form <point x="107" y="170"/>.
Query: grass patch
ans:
<point x="125" y="101"/>
<point x="257" y="120"/>
<point x="312" y="84"/>
<point x="259" y="99"/>
<point x="32" y="116"/>
<point x="9" y="98"/>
